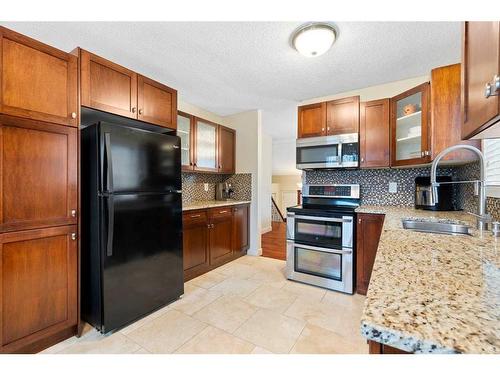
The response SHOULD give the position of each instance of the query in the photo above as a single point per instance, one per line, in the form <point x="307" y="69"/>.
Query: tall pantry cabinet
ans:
<point x="38" y="194"/>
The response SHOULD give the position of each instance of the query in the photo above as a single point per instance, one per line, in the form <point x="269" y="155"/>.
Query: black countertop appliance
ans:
<point x="423" y="194"/>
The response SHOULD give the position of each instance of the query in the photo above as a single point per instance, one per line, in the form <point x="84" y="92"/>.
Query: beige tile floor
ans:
<point x="246" y="306"/>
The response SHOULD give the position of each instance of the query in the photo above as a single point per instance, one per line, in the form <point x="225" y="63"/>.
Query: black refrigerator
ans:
<point x="131" y="255"/>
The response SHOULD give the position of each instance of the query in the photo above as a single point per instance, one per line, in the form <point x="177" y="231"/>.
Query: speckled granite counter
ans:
<point x="433" y="293"/>
<point x="198" y="205"/>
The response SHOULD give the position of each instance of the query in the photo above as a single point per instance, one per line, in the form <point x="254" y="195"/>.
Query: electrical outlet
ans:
<point x="205" y="186"/>
<point x="393" y="187"/>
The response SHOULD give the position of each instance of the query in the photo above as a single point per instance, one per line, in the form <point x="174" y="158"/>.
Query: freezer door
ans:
<point x="134" y="160"/>
<point x="141" y="251"/>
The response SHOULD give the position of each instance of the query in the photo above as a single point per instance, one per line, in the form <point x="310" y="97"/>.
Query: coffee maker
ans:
<point x="445" y="193"/>
<point x="224" y="191"/>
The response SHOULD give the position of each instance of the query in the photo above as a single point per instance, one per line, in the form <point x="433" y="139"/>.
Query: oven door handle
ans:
<point x="320" y="218"/>
<point x="324" y="249"/>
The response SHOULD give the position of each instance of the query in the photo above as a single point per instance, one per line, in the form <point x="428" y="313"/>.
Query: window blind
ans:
<point x="491" y="149"/>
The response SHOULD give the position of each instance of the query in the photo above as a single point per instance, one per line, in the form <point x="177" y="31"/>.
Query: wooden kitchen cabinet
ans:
<point x="374" y="134"/>
<point x="342" y="116"/>
<point x="446" y="116"/>
<point x="157" y="103"/>
<point x="39" y="171"/>
<point x="37" y="81"/>
<point x="312" y="120"/>
<point x="213" y="237"/>
<point x="410" y="127"/>
<point x="480" y="68"/>
<point x="226" y="149"/>
<point x="110" y="87"/>
<point x="241" y="229"/>
<point x="220" y="233"/>
<point x="368" y="231"/>
<point x="185" y="131"/>
<point x="38" y="276"/>
<point x="107" y="86"/>
<point x="205" y="146"/>
<point x="195" y="243"/>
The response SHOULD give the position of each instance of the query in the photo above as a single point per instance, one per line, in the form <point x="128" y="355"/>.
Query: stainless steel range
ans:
<point x="320" y="237"/>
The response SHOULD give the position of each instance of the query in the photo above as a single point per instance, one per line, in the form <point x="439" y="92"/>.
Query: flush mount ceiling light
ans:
<point x="313" y="39"/>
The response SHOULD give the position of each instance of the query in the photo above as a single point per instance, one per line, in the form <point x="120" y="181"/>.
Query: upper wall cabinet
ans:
<point x="446" y="118"/>
<point x="37" y="81"/>
<point x="157" y="103"/>
<point x="312" y="120"/>
<point x="185" y="133"/>
<point x="342" y="116"/>
<point x="480" y="76"/>
<point x="374" y="134"/>
<point x="205" y="144"/>
<point x="112" y="88"/>
<point x="227" y="154"/>
<point x="410" y="127"/>
<point x="107" y="86"/>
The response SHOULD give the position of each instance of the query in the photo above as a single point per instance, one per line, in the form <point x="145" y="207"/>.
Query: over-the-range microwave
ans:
<point x="333" y="151"/>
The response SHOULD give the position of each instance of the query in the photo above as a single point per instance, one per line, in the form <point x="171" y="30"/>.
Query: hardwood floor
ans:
<point x="274" y="242"/>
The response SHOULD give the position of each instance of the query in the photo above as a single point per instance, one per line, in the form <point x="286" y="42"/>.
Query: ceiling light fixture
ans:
<point x="313" y="39"/>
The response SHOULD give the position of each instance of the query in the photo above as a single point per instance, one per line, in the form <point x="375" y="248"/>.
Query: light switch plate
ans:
<point x="393" y="187"/>
<point x="205" y="186"/>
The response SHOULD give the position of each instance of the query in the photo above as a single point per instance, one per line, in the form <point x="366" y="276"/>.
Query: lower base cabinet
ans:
<point x="378" y="348"/>
<point x="213" y="237"/>
<point x="368" y="231"/>
<point x="38" y="288"/>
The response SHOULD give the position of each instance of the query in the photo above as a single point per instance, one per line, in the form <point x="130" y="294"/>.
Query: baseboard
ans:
<point x="255" y="252"/>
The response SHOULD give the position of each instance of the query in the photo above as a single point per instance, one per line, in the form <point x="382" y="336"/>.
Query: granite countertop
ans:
<point x="433" y="293"/>
<point x="198" y="205"/>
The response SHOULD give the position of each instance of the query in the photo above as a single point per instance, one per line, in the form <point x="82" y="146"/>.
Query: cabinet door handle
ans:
<point x="133" y="109"/>
<point x="322" y="129"/>
<point x="73" y="213"/>
<point x="140" y="111"/>
<point x="359" y="221"/>
<point x="73" y="114"/>
<point x="496" y="82"/>
<point x="73" y="236"/>
<point x="362" y="160"/>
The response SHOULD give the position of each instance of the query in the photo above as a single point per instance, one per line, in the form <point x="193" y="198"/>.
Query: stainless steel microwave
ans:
<point x="333" y="151"/>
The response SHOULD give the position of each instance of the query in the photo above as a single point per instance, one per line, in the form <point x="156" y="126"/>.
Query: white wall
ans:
<point x="199" y="112"/>
<point x="284" y="157"/>
<point x="248" y="126"/>
<point x="265" y="184"/>
<point x="385" y="90"/>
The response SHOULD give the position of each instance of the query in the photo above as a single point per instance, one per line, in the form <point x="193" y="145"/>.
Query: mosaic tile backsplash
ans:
<point x="374" y="185"/>
<point x="193" y="189"/>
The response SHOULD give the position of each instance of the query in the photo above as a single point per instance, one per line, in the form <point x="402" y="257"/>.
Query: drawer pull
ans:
<point x="73" y="236"/>
<point x="223" y="212"/>
<point x="193" y="216"/>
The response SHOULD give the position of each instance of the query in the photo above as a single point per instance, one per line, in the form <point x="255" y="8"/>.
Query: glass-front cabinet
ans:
<point x="185" y="133"/>
<point x="410" y="127"/>
<point x="206" y="146"/>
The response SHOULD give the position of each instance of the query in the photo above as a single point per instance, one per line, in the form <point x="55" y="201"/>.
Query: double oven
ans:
<point x="320" y="237"/>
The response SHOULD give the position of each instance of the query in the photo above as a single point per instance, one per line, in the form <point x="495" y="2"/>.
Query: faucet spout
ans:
<point x="481" y="222"/>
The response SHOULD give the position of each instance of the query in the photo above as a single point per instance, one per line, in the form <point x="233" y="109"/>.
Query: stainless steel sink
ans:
<point x="442" y="227"/>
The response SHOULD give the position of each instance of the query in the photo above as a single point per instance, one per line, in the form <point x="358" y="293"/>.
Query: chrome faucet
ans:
<point x="480" y="186"/>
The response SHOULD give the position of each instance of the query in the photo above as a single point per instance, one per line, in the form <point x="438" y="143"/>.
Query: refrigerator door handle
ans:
<point x="111" y="224"/>
<point x="109" y="162"/>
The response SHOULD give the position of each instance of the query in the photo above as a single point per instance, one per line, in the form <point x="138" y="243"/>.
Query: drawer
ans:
<point x="194" y="216"/>
<point x="220" y="212"/>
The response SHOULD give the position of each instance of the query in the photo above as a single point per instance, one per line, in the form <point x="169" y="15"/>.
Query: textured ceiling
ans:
<point x="229" y="67"/>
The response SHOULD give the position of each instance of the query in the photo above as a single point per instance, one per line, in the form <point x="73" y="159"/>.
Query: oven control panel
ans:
<point x="330" y="191"/>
